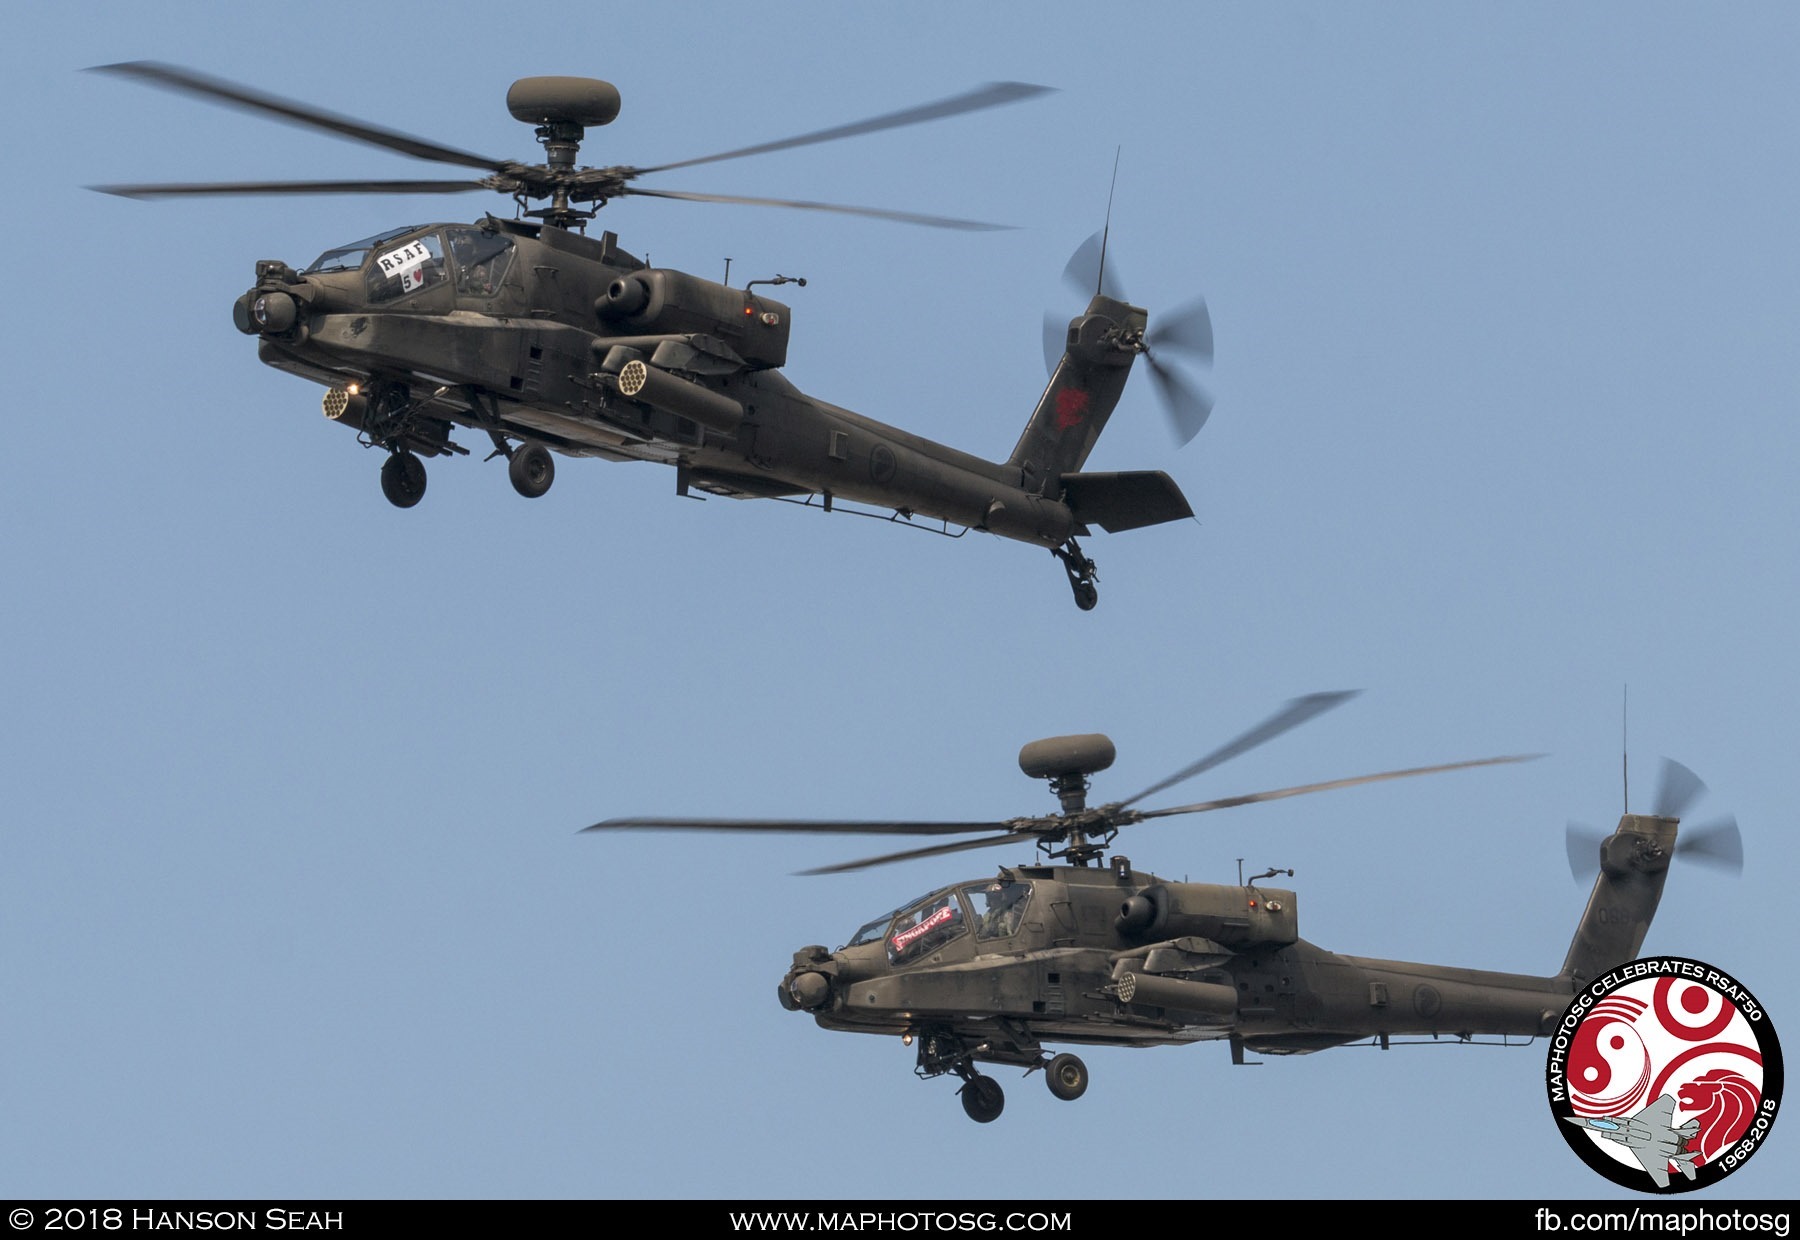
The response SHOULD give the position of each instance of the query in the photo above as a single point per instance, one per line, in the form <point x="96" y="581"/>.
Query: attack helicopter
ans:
<point x="1095" y="952"/>
<point x="549" y="341"/>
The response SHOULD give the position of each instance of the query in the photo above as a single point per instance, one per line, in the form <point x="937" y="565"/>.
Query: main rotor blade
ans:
<point x="912" y="854"/>
<point x="192" y="189"/>
<point x="992" y="95"/>
<point x="231" y="94"/>
<point x="1678" y="789"/>
<point x="815" y="826"/>
<point x="1279" y="793"/>
<point x="1718" y="844"/>
<point x="1186" y="405"/>
<point x="1292" y="715"/>
<point x="879" y="213"/>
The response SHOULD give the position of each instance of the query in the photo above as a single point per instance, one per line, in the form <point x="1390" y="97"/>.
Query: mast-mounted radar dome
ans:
<point x="563" y="101"/>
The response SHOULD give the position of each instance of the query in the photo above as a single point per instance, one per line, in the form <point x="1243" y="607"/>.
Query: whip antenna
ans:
<point x="1106" y="229"/>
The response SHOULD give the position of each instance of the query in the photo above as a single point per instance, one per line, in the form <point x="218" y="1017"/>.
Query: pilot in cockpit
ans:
<point x="1005" y="905"/>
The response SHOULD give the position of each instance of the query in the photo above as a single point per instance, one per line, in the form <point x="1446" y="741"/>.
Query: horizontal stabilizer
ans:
<point x="1125" y="501"/>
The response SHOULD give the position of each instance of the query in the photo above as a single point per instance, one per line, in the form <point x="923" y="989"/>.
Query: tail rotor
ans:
<point x="1716" y="843"/>
<point x="1183" y="332"/>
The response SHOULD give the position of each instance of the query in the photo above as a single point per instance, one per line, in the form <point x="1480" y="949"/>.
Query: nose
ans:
<point x="265" y="314"/>
<point x="809" y="991"/>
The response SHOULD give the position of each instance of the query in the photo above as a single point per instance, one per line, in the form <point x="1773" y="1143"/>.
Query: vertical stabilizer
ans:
<point x="1634" y="861"/>
<point x="1081" y="396"/>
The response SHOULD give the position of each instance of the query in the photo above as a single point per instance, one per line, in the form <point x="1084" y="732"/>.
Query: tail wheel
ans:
<point x="983" y="1099"/>
<point x="1082" y="573"/>
<point x="532" y="470"/>
<point x="1067" y="1077"/>
<point x="403" y="479"/>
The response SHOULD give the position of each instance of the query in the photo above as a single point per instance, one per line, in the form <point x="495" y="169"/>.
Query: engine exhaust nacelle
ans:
<point x="1141" y="916"/>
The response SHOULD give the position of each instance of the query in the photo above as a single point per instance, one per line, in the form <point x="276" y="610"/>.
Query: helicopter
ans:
<point x="1096" y="952"/>
<point x="549" y="341"/>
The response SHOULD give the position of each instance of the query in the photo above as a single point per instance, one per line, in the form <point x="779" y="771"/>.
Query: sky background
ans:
<point x="295" y="904"/>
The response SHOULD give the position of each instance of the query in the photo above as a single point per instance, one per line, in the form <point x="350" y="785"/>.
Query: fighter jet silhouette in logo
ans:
<point x="1651" y="1138"/>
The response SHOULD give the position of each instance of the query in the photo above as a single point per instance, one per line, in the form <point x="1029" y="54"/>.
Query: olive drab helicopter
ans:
<point x="1095" y="952"/>
<point x="550" y="341"/>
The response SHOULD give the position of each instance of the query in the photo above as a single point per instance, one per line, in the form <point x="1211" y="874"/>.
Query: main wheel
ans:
<point x="403" y="479"/>
<point x="983" y="1099"/>
<point x="1067" y="1077"/>
<point x="1086" y="595"/>
<point x="532" y="470"/>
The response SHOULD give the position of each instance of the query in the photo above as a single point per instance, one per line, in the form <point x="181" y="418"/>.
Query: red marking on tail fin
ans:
<point x="1071" y="408"/>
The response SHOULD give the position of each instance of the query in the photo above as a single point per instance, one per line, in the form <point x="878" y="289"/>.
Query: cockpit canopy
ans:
<point x="995" y="908"/>
<point x="402" y="261"/>
<point x="351" y="257"/>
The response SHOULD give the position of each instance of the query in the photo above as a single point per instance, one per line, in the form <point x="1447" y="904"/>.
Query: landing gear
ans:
<point x="942" y="1052"/>
<point x="1082" y="574"/>
<point x="946" y="1052"/>
<point x="983" y="1099"/>
<point x="403" y="479"/>
<point x="1067" y="1077"/>
<point x="531" y="470"/>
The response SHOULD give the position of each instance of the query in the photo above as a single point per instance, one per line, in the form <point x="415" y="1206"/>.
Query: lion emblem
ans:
<point x="1726" y="1103"/>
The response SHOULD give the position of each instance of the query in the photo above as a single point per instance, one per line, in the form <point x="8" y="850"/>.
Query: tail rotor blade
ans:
<point x="1678" y="789"/>
<point x="1056" y="339"/>
<point x="1089" y="273"/>
<point x="1187" y="405"/>
<point x="1717" y="844"/>
<point x="1583" y="842"/>
<point x="1185" y="329"/>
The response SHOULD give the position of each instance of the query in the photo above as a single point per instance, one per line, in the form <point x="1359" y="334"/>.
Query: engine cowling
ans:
<point x="658" y="302"/>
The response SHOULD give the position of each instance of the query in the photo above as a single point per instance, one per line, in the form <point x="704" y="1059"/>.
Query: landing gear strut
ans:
<point x="403" y="479"/>
<point x="1082" y="574"/>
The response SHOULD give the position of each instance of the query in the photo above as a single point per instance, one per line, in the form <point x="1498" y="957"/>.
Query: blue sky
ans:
<point x="295" y="904"/>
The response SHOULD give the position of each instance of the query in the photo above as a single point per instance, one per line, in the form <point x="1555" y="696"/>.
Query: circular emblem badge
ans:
<point x="882" y="465"/>
<point x="1664" y="1075"/>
